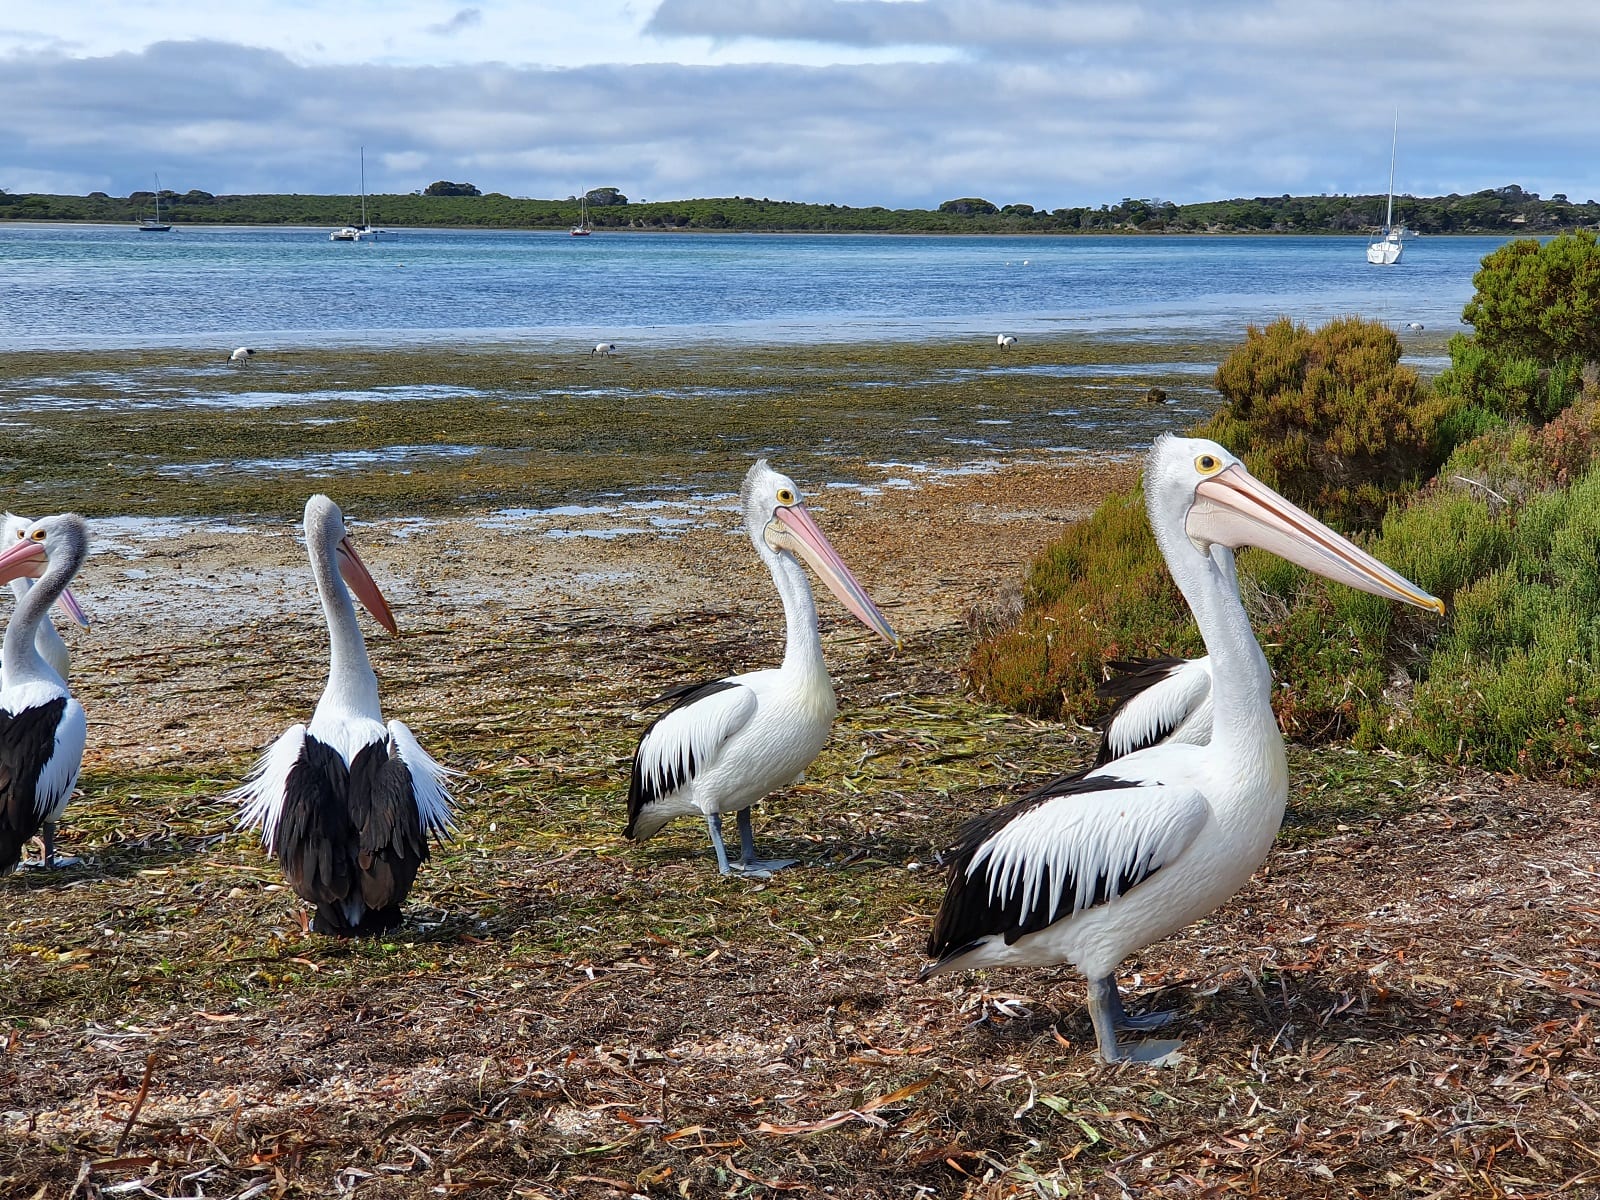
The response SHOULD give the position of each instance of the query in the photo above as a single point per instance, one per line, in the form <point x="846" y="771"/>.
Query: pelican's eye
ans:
<point x="1208" y="464"/>
<point x="22" y="535"/>
<point x="785" y="496"/>
<point x="37" y="535"/>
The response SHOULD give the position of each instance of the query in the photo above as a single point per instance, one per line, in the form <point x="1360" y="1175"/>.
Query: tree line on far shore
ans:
<point x="1504" y="210"/>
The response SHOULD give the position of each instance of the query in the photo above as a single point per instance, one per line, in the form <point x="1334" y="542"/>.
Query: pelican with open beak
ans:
<point x="726" y="743"/>
<point x="1093" y="867"/>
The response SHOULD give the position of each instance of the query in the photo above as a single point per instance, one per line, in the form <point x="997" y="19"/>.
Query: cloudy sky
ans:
<point x="894" y="102"/>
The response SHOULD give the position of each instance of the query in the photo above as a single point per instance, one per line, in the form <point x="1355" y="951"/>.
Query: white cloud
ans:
<point x="861" y="101"/>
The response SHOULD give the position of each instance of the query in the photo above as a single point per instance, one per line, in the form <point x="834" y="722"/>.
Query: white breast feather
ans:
<point x="694" y="734"/>
<point x="1178" y="707"/>
<point x="1086" y="835"/>
<point x="260" y="797"/>
<point x="428" y="778"/>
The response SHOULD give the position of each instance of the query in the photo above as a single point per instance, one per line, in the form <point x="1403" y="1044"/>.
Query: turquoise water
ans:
<point x="108" y="287"/>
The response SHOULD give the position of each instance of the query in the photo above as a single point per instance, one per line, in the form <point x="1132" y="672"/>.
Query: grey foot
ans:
<point x="1146" y="1021"/>
<point x="762" y="868"/>
<point x="1153" y="1053"/>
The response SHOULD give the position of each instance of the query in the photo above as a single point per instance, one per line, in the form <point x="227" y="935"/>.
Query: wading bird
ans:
<point x="347" y="804"/>
<point x="1094" y="867"/>
<point x="727" y="743"/>
<point x="605" y="348"/>
<point x="41" y="725"/>
<point x="1005" y="340"/>
<point x="241" y="356"/>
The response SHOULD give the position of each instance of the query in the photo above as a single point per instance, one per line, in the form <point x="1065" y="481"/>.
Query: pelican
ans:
<point x="1005" y="340"/>
<point x="348" y="803"/>
<point x="1092" y="868"/>
<point x="605" y="348"/>
<point x="41" y="725"/>
<point x="241" y="356"/>
<point x="52" y="648"/>
<point x="727" y="743"/>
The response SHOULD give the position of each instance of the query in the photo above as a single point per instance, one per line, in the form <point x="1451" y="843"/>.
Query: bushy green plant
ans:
<point x="1539" y="301"/>
<point x="1329" y="417"/>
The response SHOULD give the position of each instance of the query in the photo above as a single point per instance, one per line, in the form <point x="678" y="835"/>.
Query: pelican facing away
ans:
<point x="1094" y="867"/>
<point x="348" y="803"/>
<point x="727" y="743"/>
<point x="41" y="726"/>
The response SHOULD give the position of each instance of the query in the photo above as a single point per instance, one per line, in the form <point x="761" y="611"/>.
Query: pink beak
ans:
<point x="359" y="580"/>
<point x="803" y="534"/>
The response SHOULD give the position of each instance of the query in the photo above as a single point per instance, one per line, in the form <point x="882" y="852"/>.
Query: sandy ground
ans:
<point x="161" y="591"/>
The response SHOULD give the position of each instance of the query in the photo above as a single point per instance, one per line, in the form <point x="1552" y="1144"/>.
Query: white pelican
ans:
<point x="349" y="803"/>
<point x="241" y="355"/>
<point x="1092" y="868"/>
<point x="604" y="348"/>
<point x="727" y="743"/>
<point x="41" y="725"/>
<point x="52" y="647"/>
<point x="1005" y="340"/>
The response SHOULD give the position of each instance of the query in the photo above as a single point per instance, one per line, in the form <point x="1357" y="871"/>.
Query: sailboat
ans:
<point x="154" y="224"/>
<point x="362" y="232"/>
<point x="581" y="229"/>
<point x="1386" y="250"/>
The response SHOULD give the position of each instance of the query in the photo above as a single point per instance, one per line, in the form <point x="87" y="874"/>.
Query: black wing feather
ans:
<point x="644" y="789"/>
<point x="27" y="740"/>
<point x="970" y="913"/>
<point x="1131" y="678"/>
<point x="350" y="833"/>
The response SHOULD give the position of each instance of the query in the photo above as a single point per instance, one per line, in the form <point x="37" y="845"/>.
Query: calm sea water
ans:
<point x="102" y="287"/>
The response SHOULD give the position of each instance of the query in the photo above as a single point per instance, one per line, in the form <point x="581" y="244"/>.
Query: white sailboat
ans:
<point x="1385" y="251"/>
<point x="155" y="224"/>
<point x="362" y="232"/>
<point x="581" y="229"/>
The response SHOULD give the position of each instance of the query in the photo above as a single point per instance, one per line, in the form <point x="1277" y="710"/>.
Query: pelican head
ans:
<point x="779" y="524"/>
<point x="33" y="545"/>
<point x="16" y="530"/>
<point x="1195" y="485"/>
<point x="327" y="535"/>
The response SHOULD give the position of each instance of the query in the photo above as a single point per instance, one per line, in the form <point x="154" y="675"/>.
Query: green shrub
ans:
<point x="1539" y="301"/>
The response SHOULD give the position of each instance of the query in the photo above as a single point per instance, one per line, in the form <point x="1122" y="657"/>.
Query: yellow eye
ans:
<point x="1208" y="464"/>
<point x="22" y="535"/>
<point x="785" y="496"/>
<point x="38" y="535"/>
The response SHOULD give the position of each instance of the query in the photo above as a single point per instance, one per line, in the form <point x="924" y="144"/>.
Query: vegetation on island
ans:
<point x="1501" y="210"/>
<point x="1483" y="487"/>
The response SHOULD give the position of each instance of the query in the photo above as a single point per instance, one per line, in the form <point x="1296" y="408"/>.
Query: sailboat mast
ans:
<point x="364" y="185"/>
<point x="158" y="197"/>
<point x="1394" y="142"/>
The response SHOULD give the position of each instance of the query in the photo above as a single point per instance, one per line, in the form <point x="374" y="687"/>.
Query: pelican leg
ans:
<point x="1150" y="1020"/>
<point x="714" y="824"/>
<point x="1105" y="1011"/>
<point x="48" y="835"/>
<point x="749" y="864"/>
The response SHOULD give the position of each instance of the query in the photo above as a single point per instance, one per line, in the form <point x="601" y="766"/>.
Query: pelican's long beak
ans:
<point x="23" y="560"/>
<point x="68" y="603"/>
<point x="792" y="528"/>
<point x="359" y="580"/>
<point x="1234" y="509"/>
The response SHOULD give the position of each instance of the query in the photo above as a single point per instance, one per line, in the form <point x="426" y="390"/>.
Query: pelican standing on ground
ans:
<point x="348" y="803"/>
<point x="1092" y="868"/>
<point x="41" y="726"/>
<point x="727" y="743"/>
<point x="52" y="647"/>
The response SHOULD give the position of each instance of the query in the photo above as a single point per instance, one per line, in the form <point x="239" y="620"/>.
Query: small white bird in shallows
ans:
<point x="605" y="348"/>
<point x="1414" y="326"/>
<point x="1004" y="340"/>
<point x="241" y="355"/>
